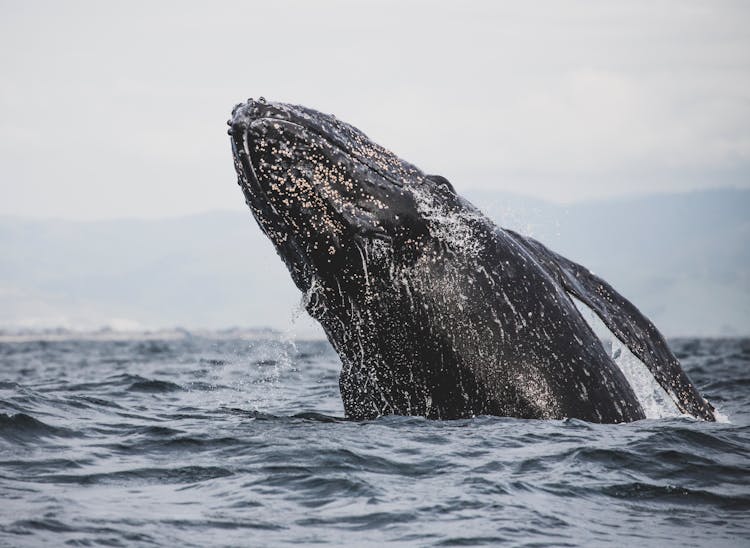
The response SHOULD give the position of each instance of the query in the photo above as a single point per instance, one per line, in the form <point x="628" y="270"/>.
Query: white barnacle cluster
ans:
<point x="312" y="183"/>
<point x="285" y="169"/>
<point x="381" y="158"/>
<point x="386" y="164"/>
<point x="337" y="185"/>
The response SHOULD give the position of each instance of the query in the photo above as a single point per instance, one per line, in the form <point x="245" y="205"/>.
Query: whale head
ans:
<point x="322" y="191"/>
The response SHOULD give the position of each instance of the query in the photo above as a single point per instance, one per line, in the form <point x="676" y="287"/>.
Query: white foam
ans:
<point x="721" y="417"/>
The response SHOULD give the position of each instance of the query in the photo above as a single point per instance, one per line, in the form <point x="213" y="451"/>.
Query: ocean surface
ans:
<point x="221" y="441"/>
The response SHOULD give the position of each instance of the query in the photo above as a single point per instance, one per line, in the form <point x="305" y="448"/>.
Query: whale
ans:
<point x="433" y="309"/>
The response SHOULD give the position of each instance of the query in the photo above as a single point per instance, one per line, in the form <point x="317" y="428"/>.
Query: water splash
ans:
<point x="449" y="225"/>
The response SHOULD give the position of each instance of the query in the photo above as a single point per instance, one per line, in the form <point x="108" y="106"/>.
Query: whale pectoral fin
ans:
<point x="626" y="322"/>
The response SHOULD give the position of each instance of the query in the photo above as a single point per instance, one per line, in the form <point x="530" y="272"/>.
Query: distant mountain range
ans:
<point x="683" y="259"/>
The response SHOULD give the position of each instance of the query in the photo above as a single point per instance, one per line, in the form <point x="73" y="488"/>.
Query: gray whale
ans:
<point x="433" y="309"/>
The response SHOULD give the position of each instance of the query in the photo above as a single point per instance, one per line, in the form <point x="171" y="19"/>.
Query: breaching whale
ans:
<point x="433" y="309"/>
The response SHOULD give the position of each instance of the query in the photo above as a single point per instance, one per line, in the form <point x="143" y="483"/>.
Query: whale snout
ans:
<point x="243" y="114"/>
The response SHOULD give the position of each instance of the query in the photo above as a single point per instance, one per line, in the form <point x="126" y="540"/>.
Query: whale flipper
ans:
<point x="626" y="322"/>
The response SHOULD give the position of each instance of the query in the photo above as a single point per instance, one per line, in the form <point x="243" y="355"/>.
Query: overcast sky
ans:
<point x="118" y="109"/>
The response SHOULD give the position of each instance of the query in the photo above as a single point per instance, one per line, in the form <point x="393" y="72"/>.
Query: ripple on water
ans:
<point x="201" y="442"/>
<point x="24" y="428"/>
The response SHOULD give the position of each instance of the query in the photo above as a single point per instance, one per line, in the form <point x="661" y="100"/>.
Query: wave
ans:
<point x="21" y="427"/>
<point x="111" y="443"/>
<point x="142" y="476"/>
<point x="155" y="386"/>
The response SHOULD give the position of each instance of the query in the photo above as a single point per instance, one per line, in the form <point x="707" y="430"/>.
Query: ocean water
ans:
<point x="199" y="440"/>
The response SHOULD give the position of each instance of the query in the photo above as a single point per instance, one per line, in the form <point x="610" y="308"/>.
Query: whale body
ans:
<point x="433" y="309"/>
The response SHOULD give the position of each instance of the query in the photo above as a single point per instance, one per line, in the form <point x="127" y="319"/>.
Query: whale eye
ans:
<point x="442" y="181"/>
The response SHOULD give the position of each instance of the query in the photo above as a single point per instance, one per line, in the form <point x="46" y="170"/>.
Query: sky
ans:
<point x="111" y="110"/>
